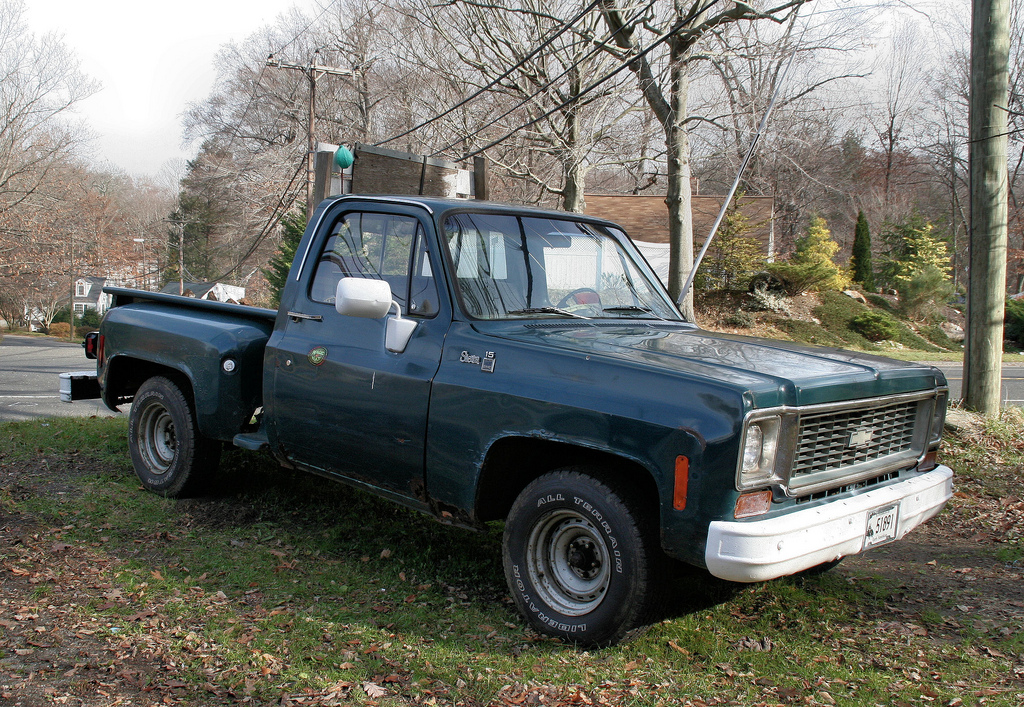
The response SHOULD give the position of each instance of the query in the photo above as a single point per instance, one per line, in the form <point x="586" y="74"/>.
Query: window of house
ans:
<point x="81" y="288"/>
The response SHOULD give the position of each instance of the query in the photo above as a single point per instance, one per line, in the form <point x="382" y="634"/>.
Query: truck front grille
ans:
<point x="837" y="445"/>
<point x="830" y="441"/>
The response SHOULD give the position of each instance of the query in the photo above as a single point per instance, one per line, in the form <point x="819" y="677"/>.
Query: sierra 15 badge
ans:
<point x="486" y="363"/>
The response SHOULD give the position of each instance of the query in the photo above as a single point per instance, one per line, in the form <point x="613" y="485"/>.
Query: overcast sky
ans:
<point x="152" y="59"/>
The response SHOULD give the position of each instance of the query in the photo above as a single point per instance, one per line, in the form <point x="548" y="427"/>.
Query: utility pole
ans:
<point x="71" y="271"/>
<point x="986" y="294"/>
<point x="313" y="72"/>
<point x="145" y="272"/>
<point x="181" y="258"/>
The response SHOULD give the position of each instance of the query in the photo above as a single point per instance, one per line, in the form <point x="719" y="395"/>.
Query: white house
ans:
<point x="89" y="295"/>
<point x="215" y="291"/>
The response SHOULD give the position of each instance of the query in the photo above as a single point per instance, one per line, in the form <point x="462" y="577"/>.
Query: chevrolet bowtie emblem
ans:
<point x="861" y="437"/>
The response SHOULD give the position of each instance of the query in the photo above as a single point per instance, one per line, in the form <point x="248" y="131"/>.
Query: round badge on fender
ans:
<point x="317" y="355"/>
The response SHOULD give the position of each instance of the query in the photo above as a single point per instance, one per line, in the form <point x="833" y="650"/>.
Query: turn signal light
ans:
<point x="753" y="504"/>
<point x="682" y="482"/>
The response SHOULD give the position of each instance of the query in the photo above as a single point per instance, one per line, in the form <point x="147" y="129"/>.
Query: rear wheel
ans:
<point x="578" y="561"/>
<point x="169" y="454"/>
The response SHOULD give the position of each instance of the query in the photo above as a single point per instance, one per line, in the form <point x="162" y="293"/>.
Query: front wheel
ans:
<point x="167" y="450"/>
<point x="578" y="560"/>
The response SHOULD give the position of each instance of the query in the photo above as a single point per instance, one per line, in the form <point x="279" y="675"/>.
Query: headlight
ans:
<point x="760" y="451"/>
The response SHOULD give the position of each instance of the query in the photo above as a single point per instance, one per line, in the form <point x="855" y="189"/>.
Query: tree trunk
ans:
<point x="678" y="197"/>
<point x="990" y="47"/>
<point x="575" y="176"/>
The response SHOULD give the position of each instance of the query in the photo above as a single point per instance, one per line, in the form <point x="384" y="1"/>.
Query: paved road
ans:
<point x="29" y="379"/>
<point x="1012" y="387"/>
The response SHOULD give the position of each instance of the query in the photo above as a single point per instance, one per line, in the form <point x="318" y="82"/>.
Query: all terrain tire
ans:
<point x="169" y="454"/>
<point x="579" y="560"/>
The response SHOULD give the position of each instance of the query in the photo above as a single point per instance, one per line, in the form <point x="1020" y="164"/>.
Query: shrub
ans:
<point x="1013" y="327"/>
<point x="60" y="329"/>
<point x="861" y="257"/>
<point x="918" y="267"/>
<point x="733" y="256"/>
<point x="798" y="278"/>
<point x="91" y="318"/>
<point x="923" y="293"/>
<point x="875" y="326"/>
<point x="812" y="267"/>
<point x="765" y="300"/>
<point x="880" y="302"/>
<point x="935" y="334"/>
<point x="741" y="319"/>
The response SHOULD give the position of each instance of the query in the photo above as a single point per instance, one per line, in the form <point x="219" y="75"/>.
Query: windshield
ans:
<point x="510" y="267"/>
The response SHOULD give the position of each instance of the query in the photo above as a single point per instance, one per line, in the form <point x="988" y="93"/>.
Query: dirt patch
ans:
<point x="738" y="313"/>
<point x="55" y="650"/>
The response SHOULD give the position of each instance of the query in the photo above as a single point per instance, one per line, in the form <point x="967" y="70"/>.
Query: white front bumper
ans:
<point x="760" y="550"/>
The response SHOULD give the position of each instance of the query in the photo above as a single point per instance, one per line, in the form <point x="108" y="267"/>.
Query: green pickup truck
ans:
<point x="483" y="362"/>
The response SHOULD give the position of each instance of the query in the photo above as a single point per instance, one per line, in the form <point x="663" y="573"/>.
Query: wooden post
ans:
<point x="481" y="179"/>
<point x="986" y="297"/>
<point x="322" y="184"/>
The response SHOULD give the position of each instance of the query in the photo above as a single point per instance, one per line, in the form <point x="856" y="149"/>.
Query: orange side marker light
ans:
<point x="682" y="481"/>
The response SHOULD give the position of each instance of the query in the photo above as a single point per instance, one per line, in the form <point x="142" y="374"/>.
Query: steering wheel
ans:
<point x="584" y="297"/>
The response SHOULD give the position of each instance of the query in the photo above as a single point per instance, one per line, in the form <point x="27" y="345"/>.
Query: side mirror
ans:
<point x="371" y="299"/>
<point x="362" y="297"/>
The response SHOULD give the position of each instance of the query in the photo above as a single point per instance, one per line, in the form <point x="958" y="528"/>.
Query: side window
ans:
<point x="379" y="246"/>
<point x="491" y="269"/>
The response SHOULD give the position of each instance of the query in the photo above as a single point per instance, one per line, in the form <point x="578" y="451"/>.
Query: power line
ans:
<point x="271" y="222"/>
<point x="565" y="28"/>
<point x="259" y="79"/>
<point x="312" y="72"/>
<point x="624" y="64"/>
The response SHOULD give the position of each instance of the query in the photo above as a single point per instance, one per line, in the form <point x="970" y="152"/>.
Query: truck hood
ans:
<point x="771" y="372"/>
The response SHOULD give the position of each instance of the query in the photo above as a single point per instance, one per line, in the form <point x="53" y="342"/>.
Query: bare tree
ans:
<point x="661" y="51"/>
<point x="533" y="59"/>
<point x="39" y="84"/>
<point x="902" y="89"/>
<point x="809" y="67"/>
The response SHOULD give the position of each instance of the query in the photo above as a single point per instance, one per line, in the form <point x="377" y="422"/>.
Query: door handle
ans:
<point x="299" y="316"/>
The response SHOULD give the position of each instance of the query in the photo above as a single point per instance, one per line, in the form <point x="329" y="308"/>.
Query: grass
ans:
<point x="280" y="583"/>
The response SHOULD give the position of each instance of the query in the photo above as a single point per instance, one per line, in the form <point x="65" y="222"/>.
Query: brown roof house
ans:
<point x="645" y="219"/>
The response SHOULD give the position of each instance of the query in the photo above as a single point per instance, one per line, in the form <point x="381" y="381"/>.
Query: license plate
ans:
<point x="881" y="526"/>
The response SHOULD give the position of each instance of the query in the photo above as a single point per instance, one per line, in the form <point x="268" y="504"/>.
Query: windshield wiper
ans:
<point x="629" y="308"/>
<point x="548" y="310"/>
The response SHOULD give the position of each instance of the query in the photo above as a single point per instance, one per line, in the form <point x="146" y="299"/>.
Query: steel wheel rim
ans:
<point x="568" y="563"/>
<point x="158" y="441"/>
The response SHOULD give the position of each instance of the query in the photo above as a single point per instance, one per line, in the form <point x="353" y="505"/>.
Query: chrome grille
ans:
<point x="829" y="441"/>
<point x="836" y="440"/>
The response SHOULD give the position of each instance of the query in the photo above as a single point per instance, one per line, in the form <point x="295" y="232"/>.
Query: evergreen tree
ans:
<point x="811" y="267"/>
<point x="917" y="266"/>
<point x="293" y="226"/>
<point x="863" y="273"/>
<point x="734" y="256"/>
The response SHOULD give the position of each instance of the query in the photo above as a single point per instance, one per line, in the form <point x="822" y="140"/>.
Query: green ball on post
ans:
<point x="343" y="157"/>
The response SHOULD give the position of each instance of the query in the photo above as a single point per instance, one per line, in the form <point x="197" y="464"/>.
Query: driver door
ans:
<point x="342" y="403"/>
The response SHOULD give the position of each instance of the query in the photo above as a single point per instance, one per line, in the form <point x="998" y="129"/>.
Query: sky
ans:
<point x="152" y="59"/>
